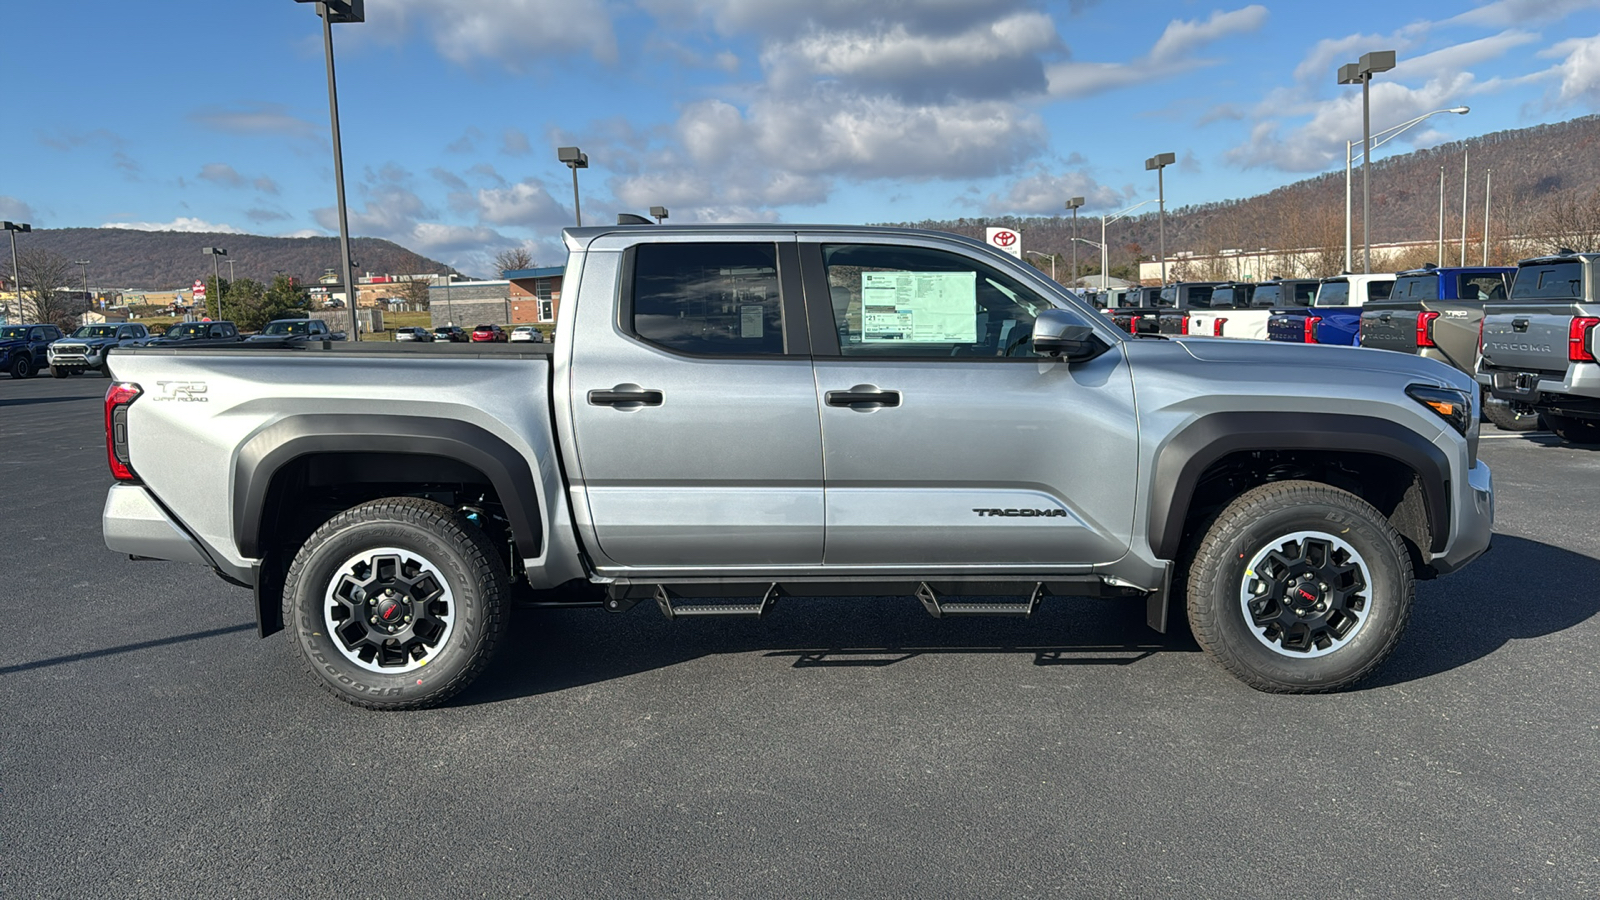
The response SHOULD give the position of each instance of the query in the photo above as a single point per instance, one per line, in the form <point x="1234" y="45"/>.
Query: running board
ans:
<point x="676" y="611"/>
<point x="943" y="609"/>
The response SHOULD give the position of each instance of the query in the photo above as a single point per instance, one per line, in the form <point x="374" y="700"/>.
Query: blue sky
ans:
<point x="213" y="116"/>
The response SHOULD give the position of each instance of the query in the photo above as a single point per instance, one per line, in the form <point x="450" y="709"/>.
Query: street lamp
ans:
<point x="660" y="212"/>
<point x="1105" y="261"/>
<point x="1362" y="71"/>
<point x="332" y="11"/>
<point x="575" y="159"/>
<point x="1049" y="256"/>
<point x="12" y="229"/>
<point x="1387" y="135"/>
<point x="1073" y="205"/>
<point x="1159" y="162"/>
<point x="85" y="264"/>
<point x="216" y="275"/>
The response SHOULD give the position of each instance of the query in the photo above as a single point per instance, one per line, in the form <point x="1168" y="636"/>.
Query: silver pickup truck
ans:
<point x="1538" y="348"/>
<point x="732" y="415"/>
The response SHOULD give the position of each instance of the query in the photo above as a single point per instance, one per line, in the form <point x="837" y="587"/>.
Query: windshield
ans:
<point x="14" y="331"/>
<point x="93" y="331"/>
<point x="295" y="327"/>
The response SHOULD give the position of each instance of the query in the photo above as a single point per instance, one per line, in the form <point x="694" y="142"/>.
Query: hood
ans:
<point x="1299" y="360"/>
<point x="88" y="341"/>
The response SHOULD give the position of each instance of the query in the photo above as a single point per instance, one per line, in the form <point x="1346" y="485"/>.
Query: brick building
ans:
<point x="535" y="294"/>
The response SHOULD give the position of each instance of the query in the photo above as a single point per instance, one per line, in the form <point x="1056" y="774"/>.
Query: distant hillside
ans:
<point x="124" y="258"/>
<point x="1536" y="170"/>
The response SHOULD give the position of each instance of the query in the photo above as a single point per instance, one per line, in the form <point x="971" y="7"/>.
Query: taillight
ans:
<point x="1216" y="327"/>
<point x="1480" y="337"/>
<point x="117" y="400"/>
<point x="1425" y="329"/>
<point x="1183" y="325"/>
<point x="1311" y="328"/>
<point x="1133" y="324"/>
<point x="1579" y="348"/>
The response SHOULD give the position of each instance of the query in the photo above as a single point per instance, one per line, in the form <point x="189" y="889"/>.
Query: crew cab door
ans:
<point x="694" y="410"/>
<point x="947" y="444"/>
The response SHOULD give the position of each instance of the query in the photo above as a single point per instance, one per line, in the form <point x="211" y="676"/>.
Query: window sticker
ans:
<point x="751" y="316"/>
<point x="926" y="307"/>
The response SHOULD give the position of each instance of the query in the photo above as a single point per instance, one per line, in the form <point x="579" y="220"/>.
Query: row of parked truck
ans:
<point x="27" y="350"/>
<point x="1526" y="333"/>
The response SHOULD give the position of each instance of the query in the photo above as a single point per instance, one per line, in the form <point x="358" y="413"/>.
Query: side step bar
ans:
<point x="674" y="611"/>
<point x="945" y="609"/>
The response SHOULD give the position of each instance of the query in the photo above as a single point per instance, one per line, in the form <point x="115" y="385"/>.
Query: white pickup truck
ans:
<point x="1247" y="318"/>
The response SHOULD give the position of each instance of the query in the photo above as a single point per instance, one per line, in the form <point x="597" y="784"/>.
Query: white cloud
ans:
<point x="12" y="209"/>
<point x="527" y="204"/>
<point x="1171" y="55"/>
<point x="257" y="118"/>
<point x="1044" y="193"/>
<point x="514" y="33"/>
<point x="182" y="223"/>
<point x="1504" y="13"/>
<point x="1579" y="71"/>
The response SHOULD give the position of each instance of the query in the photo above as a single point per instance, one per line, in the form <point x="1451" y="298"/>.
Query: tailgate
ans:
<point x="1389" y="329"/>
<point x="1289" y="327"/>
<point x="1528" y="341"/>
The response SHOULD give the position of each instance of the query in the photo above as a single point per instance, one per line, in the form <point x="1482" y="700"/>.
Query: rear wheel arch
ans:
<point x="1218" y="457"/>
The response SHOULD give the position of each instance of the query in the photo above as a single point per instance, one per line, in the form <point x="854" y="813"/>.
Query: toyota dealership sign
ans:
<point x="1007" y="239"/>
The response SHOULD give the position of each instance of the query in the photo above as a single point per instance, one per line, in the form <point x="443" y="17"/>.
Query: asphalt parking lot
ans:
<point x="155" y="747"/>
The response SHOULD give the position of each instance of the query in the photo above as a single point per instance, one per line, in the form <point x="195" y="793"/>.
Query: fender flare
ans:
<point x="267" y="451"/>
<point x="1183" y="459"/>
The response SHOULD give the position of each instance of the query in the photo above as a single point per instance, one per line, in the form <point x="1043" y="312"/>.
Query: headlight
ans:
<point x="1449" y="404"/>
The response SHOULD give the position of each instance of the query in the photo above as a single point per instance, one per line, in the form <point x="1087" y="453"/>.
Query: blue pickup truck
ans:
<point x="1334" y="317"/>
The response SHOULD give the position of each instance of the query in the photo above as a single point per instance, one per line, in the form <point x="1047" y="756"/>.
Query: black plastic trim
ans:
<point x="275" y="446"/>
<point x="1191" y="451"/>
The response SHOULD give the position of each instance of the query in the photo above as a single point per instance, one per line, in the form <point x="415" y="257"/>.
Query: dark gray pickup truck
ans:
<point x="733" y="415"/>
<point x="1540" y="346"/>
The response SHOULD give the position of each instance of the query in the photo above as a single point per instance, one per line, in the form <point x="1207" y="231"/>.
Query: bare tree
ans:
<point x="47" y="276"/>
<point x="415" y="292"/>
<point x="1570" y="222"/>
<point x="512" y="260"/>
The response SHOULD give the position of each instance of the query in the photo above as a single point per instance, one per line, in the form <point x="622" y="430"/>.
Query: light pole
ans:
<point x="660" y="212"/>
<point x="1439" y="255"/>
<point x="231" y="279"/>
<point x="85" y="264"/>
<point x="1073" y="205"/>
<point x="1159" y="162"/>
<point x="1488" y="182"/>
<point x="1386" y="135"/>
<point x="1465" y="155"/>
<point x="216" y="274"/>
<point x="12" y="229"/>
<point x="1362" y="71"/>
<point x="332" y="11"/>
<point x="1105" y="260"/>
<point x="575" y="159"/>
<point x="1049" y="256"/>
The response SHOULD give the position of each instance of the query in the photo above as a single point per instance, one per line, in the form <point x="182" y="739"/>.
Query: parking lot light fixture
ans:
<point x="1381" y="138"/>
<point x="1073" y="205"/>
<point x="216" y="274"/>
<point x="84" y="263"/>
<point x="12" y="229"/>
<point x="575" y="159"/>
<point x="1105" y="256"/>
<point x="1159" y="163"/>
<point x="1362" y="71"/>
<point x="1049" y="256"/>
<point x="331" y="12"/>
<point x="660" y="212"/>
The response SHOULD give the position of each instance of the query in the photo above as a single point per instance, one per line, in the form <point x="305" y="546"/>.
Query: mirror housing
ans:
<point x="1057" y="332"/>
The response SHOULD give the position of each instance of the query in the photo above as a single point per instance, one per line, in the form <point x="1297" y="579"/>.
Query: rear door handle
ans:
<point x="624" y="398"/>
<point x="862" y="397"/>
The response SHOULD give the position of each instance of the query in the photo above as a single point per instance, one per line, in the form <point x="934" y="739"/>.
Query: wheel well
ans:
<point x="1391" y="486"/>
<point x="309" y="490"/>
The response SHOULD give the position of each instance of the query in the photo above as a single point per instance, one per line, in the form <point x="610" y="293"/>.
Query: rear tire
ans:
<point x="1298" y="587"/>
<point x="397" y="603"/>
<point x="22" y="367"/>
<point x="58" y="372"/>
<point x="1574" y="431"/>
<point x="1508" y="416"/>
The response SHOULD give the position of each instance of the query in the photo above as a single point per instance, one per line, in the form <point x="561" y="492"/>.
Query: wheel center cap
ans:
<point x="1304" y="596"/>
<point x="391" y="610"/>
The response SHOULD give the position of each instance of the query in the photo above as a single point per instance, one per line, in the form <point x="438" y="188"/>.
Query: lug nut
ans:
<point x="374" y="620"/>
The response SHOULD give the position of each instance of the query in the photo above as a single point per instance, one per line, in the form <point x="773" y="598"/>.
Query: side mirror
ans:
<point x="1057" y="332"/>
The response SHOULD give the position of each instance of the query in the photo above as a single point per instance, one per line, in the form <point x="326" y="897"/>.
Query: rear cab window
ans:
<point x="711" y="299"/>
<point x="1334" y="293"/>
<point x="1267" y="295"/>
<point x="1549" y="281"/>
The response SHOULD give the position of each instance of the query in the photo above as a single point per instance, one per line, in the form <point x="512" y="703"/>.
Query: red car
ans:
<point x="486" y="333"/>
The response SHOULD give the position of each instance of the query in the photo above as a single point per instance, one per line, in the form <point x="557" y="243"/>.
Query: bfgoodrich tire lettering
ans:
<point x="422" y="563"/>
<point x="1331" y="598"/>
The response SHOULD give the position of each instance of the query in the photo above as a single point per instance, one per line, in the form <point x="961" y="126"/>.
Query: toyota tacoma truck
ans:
<point x="85" y="349"/>
<point x="1539" y="347"/>
<point x="1248" y="317"/>
<point x="1334" y="317"/>
<point x="733" y="416"/>
<point x="1178" y="299"/>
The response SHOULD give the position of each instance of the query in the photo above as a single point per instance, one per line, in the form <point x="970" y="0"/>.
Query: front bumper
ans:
<point x="90" y="358"/>
<point x="1473" y="529"/>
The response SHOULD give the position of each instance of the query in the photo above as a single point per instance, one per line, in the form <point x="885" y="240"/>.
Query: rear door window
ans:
<point x="1304" y="293"/>
<point x="1551" y="281"/>
<point x="711" y="299"/>
<point x="1481" y="287"/>
<point x="1379" y="290"/>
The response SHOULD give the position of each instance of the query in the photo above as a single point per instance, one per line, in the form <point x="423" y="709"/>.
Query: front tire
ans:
<point x="1574" y="431"/>
<point x="22" y="367"/>
<point x="1299" y="587"/>
<point x="1508" y="416"/>
<point x="397" y="603"/>
<point x="58" y="372"/>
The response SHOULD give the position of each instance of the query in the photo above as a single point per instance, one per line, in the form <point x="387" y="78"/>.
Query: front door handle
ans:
<point x="863" y="397"/>
<point x="625" y="398"/>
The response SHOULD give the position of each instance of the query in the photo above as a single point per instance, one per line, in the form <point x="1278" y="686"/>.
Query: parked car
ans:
<point x="413" y="333"/>
<point x="452" y="333"/>
<point x="1541" y="344"/>
<point x="1225" y="297"/>
<point x="25" y="349"/>
<point x="1437" y="312"/>
<point x="527" y="333"/>
<point x="296" y="331"/>
<point x="1250" y="321"/>
<point x="488" y="334"/>
<point x="1177" y="300"/>
<point x="199" y="334"/>
<point x="676" y="449"/>
<point x="1334" y="317"/>
<point x="85" y="349"/>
